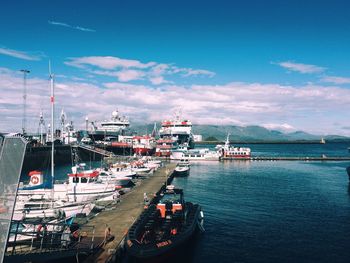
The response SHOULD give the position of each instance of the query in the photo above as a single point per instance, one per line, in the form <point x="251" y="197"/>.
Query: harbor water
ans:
<point x="272" y="211"/>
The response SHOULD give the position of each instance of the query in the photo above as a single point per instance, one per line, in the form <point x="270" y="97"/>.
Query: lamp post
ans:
<point x="25" y="72"/>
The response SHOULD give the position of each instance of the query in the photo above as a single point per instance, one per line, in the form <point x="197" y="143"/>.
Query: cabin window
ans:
<point x="83" y="180"/>
<point x="75" y="180"/>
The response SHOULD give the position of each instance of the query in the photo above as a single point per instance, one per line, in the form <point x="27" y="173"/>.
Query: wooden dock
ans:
<point x="120" y="219"/>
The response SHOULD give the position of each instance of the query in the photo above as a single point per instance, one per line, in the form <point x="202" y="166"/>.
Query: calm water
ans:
<point x="272" y="211"/>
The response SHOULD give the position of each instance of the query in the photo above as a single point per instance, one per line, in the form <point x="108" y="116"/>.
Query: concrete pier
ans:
<point x="120" y="219"/>
<point x="290" y="158"/>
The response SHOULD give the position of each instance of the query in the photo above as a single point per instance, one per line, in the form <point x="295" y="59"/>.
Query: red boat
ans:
<point x="164" y="147"/>
<point x="143" y="145"/>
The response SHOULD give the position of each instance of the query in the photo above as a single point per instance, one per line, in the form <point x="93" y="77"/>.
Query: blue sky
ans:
<point x="280" y="64"/>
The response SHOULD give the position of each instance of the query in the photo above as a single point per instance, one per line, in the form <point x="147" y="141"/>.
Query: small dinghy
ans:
<point x="164" y="227"/>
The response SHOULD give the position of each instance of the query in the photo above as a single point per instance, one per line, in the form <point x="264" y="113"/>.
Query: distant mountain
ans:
<point x="244" y="134"/>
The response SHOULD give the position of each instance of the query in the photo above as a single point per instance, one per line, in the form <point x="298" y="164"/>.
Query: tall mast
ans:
<point x="25" y="72"/>
<point x="52" y="99"/>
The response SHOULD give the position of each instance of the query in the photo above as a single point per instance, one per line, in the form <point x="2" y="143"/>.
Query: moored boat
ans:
<point x="182" y="168"/>
<point x="143" y="145"/>
<point x="178" y="129"/>
<point x="228" y="151"/>
<point x="163" y="227"/>
<point x="195" y="155"/>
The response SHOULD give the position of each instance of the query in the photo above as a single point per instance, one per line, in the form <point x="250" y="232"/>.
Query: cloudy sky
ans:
<point x="280" y="64"/>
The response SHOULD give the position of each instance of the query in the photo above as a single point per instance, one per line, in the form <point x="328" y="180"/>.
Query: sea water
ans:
<point x="272" y="211"/>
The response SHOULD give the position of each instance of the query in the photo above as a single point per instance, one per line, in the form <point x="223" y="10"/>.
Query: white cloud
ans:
<point x="301" y="68"/>
<point x="129" y="69"/>
<point x="158" y="80"/>
<point x="335" y="80"/>
<point x="130" y="74"/>
<point x="18" y="54"/>
<point x="311" y="108"/>
<point x="55" y="23"/>
<point x="196" y="72"/>
<point x="276" y="126"/>
<point x="108" y="62"/>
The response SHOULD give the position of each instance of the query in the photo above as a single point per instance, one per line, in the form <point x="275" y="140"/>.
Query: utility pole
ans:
<point x="25" y="72"/>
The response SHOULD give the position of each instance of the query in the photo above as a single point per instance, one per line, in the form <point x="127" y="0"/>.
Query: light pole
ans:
<point x="25" y="72"/>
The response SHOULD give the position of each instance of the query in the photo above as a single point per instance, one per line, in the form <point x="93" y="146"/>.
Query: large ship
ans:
<point x="178" y="129"/>
<point x="114" y="127"/>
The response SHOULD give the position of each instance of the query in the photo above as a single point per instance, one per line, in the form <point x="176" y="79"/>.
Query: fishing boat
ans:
<point x="53" y="201"/>
<point x="83" y="185"/>
<point x="182" y="168"/>
<point x="164" y="227"/>
<point x="144" y="145"/>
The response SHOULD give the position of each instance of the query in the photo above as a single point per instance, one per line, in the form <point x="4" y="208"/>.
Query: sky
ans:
<point x="282" y="65"/>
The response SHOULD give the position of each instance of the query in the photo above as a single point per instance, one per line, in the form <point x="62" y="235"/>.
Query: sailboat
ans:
<point x="35" y="202"/>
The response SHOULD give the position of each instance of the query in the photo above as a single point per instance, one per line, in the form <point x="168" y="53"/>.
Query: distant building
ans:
<point x="198" y="138"/>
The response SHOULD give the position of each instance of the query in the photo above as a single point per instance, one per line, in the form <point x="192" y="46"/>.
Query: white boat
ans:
<point x="182" y="168"/>
<point x="139" y="168"/>
<point x="53" y="202"/>
<point x="82" y="186"/>
<point x="195" y="155"/>
<point x="232" y="152"/>
<point x="113" y="127"/>
<point x="46" y="208"/>
<point x="118" y="180"/>
<point x="177" y="129"/>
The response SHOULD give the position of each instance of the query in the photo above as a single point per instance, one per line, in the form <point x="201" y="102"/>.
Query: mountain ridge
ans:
<point x="245" y="133"/>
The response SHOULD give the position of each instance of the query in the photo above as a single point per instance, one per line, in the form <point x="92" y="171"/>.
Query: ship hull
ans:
<point x="161" y="250"/>
<point x="143" y="151"/>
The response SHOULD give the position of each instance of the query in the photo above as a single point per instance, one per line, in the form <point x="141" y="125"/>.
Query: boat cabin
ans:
<point x="170" y="201"/>
<point x="81" y="176"/>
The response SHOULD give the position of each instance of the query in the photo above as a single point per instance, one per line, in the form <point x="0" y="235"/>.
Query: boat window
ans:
<point x="83" y="180"/>
<point x="173" y="198"/>
<point x="75" y="180"/>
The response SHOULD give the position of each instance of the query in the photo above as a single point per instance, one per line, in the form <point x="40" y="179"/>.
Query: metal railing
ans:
<point x="25" y="238"/>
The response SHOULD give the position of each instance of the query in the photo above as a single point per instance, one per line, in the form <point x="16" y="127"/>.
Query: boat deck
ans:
<point x="120" y="219"/>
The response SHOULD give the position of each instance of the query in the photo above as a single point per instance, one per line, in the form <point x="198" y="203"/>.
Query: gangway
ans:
<point x="94" y="149"/>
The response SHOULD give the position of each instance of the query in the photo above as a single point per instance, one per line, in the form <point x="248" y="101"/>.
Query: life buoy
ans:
<point x="34" y="179"/>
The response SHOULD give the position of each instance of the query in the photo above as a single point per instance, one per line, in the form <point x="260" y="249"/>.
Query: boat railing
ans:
<point x="48" y="237"/>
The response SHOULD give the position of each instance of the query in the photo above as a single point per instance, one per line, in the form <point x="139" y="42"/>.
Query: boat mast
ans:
<point x="52" y="99"/>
